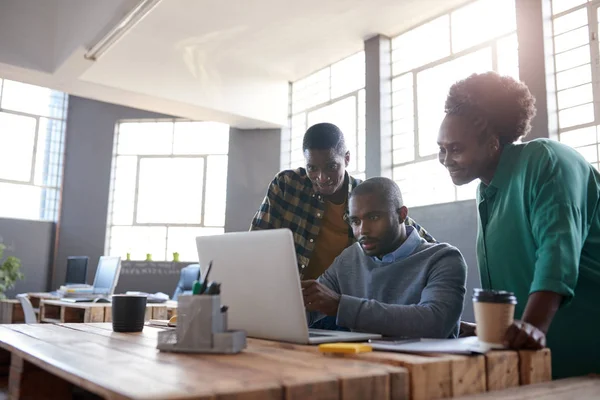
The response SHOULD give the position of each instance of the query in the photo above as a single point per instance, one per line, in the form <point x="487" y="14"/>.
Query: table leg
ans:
<point x="27" y="381"/>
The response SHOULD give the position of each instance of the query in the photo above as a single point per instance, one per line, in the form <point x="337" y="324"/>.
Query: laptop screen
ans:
<point x="107" y="275"/>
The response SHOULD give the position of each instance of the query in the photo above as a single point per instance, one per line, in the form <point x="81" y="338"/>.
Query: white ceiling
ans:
<point x="223" y="60"/>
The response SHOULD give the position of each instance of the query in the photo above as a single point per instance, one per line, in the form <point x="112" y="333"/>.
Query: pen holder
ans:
<point x="201" y="328"/>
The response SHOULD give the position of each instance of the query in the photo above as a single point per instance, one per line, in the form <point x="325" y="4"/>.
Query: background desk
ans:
<point x="58" y="311"/>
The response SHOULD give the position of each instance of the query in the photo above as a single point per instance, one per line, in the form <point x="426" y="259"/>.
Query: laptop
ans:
<point x="105" y="281"/>
<point x="260" y="284"/>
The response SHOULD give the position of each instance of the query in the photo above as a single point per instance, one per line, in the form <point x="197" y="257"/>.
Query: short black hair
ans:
<point x="324" y="136"/>
<point x="505" y="103"/>
<point x="385" y="188"/>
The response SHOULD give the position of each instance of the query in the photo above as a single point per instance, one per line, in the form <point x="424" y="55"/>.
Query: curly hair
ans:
<point x="504" y="102"/>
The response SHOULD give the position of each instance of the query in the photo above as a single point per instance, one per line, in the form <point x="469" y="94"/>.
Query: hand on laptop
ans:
<point x="318" y="297"/>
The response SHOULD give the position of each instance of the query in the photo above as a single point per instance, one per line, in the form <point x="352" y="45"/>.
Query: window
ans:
<point x="574" y="22"/>
<point x="334" y="94"/>
<point x="169" y="184"/>
<point x="32" y="135"/>
<point x="426" y="61"/>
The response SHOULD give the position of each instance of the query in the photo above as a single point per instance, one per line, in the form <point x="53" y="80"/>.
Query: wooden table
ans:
<point x="50" y="359"/>
<point x="46" y="360"/>
<point x="58" y="311"/>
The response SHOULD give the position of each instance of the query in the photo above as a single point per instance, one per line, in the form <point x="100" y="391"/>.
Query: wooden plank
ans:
<point x="354" y="379"/>
<point x="430" y="377"/>
<point x="11" y="312"/>
<point x="95" y="375"/>
<point x="468" y="373"/>
<point x="159" y="312"/>
<point x="587" y="387"/>
<point x="94" y="314"/>
<point x="195" y="376"/>
<point x="502" y="369"/>
<point x="4" y="368"/>
<point x="535" y="366"/>
<point x="28" y="381"/>
<point x="325" y="378"/>
<point x="298" y="381"/>
<point x="50" y="312"/>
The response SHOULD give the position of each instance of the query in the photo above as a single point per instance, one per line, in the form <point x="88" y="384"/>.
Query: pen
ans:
<point x="196" y="285"/>
<point x="205" y="282"/>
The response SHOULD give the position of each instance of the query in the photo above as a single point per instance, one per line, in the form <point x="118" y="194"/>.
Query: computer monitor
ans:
<point x="107" y="275"/>
<point x="76" y="270"/>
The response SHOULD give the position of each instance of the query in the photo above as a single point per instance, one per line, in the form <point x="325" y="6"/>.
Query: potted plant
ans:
<point x="9" y="272"/>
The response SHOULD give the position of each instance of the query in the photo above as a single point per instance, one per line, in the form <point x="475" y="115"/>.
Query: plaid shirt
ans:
<point x="292" y="202"/>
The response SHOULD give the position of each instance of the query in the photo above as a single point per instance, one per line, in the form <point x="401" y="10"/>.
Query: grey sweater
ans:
<point x="420" y="295"/>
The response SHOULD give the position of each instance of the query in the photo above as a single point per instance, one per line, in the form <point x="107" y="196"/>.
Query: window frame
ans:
<point x="46" y="212"/>
<point x="139" y="157"/>
<point x="593" y="8"/>
<point x="287" y="159"/>
<point x="492" y="44"/>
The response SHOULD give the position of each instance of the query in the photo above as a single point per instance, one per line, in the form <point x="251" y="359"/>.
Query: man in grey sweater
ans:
<point x="391" y="281"/>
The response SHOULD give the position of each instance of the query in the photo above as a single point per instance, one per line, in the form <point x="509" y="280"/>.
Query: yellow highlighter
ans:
<point x="344" y="348"/>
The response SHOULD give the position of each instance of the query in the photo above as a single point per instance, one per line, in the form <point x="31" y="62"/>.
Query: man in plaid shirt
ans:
<point x="313" y="202"/>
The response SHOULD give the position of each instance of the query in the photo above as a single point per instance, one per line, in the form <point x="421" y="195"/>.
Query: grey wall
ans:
<point x="253" y="163"/>
<point x="456" y="224"/>
<point x="32" y="242"/>
<point x="86" y="185"/>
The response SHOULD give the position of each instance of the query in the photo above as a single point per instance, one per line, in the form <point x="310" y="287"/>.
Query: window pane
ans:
<point x="348" y="75"/>
<point x="573" y="58"/>
<point x="201" y="138"/>
<point x="362" y="126"/>
<point x="311" y="91"/>
<point x="590" y="153"/>
<point x="576" y="116"/>
<point x="298" y="125"/>
<point x="571" y="40"/>
<point x="508" y="56"/>
<point x="170" y="190"/>
<point x="404" y="148"/>
<point x="17" y="136"/>
<point x="559" y="6"/>
<point x="573" y="77"/>
<point x="139" y="241"/>
<point x="216" y="191"/>
<point x="570" y="21"/>
<point x="468" y="191"/>
<point x="481" y="21"/>
<point x="123" y="198"/>
<point x="422" y="45"/>
<point x="579" y="137"/>
<point x="183" y="241"/>
<point x="576" y="96"/>
<point x="343" y="114"/>
<point x="20" y="201"/>
<point x="32" y="99"/>
<point x="417" y="191"/>
<point x="49" y="151"/>
<point x="151" y="138"/>
<point x="432" y="88"/>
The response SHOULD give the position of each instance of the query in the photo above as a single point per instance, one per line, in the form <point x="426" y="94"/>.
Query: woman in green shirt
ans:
<point x="539" y="222"/>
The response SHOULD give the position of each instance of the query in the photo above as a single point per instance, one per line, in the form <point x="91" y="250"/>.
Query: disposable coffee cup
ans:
<point x="494" y="313"/>
<point x="128" y="313"/>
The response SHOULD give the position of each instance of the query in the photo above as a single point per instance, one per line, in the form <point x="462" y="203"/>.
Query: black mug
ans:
<point x="128" y="313"/>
